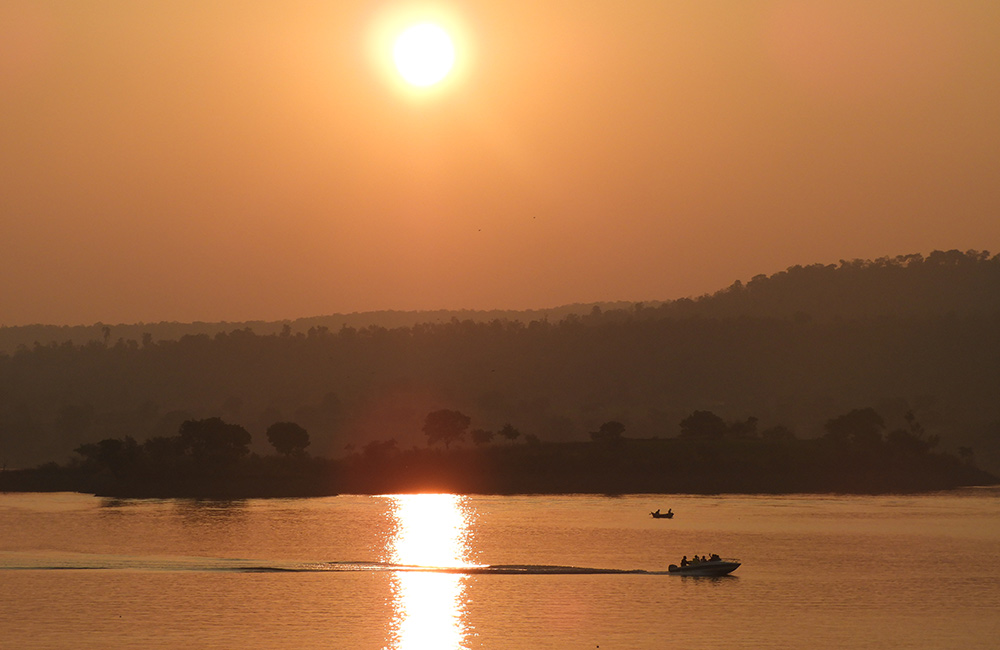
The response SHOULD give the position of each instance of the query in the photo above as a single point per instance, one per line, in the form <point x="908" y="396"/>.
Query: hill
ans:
<point x="909" y="334"/>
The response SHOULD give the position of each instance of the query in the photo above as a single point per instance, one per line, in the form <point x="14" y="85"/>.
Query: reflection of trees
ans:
<point x="200" y="512"/>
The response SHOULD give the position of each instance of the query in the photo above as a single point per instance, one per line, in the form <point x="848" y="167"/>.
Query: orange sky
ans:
<point x="231" y="160"/>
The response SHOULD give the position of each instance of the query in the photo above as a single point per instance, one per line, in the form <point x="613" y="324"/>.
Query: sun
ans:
<point x="424" y="54"/>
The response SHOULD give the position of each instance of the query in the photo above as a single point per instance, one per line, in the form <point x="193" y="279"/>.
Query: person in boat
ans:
<point x="670" y="512"/>
<point x="695" y="559"/>
<point x="656" y="513"/>
<point x="715" y="557"/>
<point x="684" y="561"/>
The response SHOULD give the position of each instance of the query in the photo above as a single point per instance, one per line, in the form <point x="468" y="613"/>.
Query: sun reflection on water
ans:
<point x="431" y="530"/>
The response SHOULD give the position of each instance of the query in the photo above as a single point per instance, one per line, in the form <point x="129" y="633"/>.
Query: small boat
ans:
<point x="656" y="514"/>
<point x="719" y="567"/>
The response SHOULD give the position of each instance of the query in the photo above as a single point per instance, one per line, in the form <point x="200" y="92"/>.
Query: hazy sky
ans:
<point x="252" y="159"/>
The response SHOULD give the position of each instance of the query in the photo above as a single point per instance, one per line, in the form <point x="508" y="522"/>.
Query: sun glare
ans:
<point x="424" y="54"/>
<point x="431" y="531"/>
<point x="422" y="49"/>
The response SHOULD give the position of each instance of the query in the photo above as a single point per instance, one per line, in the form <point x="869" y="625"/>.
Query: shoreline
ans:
<point x="659" y="466"/>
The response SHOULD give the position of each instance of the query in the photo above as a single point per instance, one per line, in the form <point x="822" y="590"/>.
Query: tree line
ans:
<point x="909" y="334"/>
<point x="212" y="458"/>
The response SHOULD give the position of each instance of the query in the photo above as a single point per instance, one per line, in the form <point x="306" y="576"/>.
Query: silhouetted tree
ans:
<point x="862" y="427"/>
<point x="913" y="439"/>
<point x="214" y="440"/>
<point x="509" y="432"/>
<point x="379" y="449"/>
<point x="162" y="449"/>
<point x="745" y="429"/>
<point x="609" y="432"/>
<point x="703" y="424"/>
<point x="111" y="453"/>
<point x="288" y="438"/>
<point x="445" y="426"/>
<point x="481" y="437"/>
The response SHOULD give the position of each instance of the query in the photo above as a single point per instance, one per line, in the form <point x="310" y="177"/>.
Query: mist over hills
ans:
<point x="905" y="334"/>
<point x="11" y="338"/>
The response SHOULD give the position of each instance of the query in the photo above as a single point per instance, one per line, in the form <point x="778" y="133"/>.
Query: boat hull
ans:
<point x="710" y="568"/>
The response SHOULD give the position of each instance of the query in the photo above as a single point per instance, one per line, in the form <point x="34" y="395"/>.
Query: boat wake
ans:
<point x="479" y="569"/>
<point x="93" y="562"/>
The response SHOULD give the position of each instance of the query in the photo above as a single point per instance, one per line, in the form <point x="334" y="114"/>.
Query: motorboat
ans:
<point x="713" y="567"/>
<point x="656" y="514"/>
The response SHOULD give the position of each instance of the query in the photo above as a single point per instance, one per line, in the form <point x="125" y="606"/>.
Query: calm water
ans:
<point x="819" y="572"/>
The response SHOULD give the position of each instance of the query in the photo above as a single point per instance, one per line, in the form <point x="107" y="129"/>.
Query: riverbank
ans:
<point x="668" y="466"/>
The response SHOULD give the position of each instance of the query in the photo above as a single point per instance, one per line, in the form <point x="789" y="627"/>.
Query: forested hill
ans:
<point x="910" y="336"/>
<point x="907" y="285"/>
<point x="942" y="282"/>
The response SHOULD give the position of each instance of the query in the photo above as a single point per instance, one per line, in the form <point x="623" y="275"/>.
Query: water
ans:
<point x="507" y="572"/>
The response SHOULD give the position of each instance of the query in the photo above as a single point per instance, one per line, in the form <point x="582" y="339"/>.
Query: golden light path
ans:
<point x="431" y="530"/>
